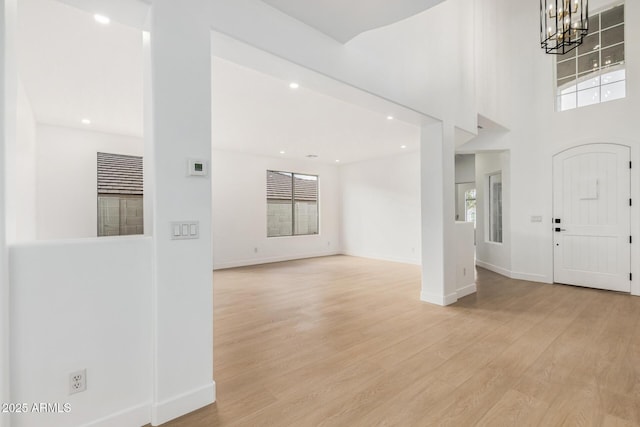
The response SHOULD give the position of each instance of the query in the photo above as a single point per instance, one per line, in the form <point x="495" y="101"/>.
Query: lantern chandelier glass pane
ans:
<point x="563" y="24"/>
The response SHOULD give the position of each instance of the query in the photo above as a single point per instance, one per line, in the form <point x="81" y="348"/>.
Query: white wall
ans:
<point x="7" y="64"/>
<point x="437" y="203"/>
<point x="493" y="58"/>
<point x="240" y="211"/>
<point x="381" y="208"/>
<point x="465" y="168"/>
<point x="82" y="305"/>
<point x="67" y="178"/>
<point x="178" y="128"/>
<point x="465" y="259"/>
<point x="491" y="255"/>
<point x="26" y="155"/>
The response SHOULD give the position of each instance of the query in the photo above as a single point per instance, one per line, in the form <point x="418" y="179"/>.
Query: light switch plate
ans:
<point x="183" y="230"/>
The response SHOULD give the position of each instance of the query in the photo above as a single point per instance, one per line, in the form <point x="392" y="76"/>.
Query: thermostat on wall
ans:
<point x="197" y="168"/>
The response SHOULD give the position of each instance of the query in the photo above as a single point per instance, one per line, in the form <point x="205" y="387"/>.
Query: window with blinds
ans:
<point x="292" y="204"/>
<point x="120" y="195"/>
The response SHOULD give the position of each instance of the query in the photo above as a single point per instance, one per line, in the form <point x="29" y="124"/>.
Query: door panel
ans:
<point x="591" y="201"/>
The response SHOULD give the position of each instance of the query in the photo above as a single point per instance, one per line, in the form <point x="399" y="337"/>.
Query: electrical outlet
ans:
<point x="78" y="381"/>
<point x="255" y="250"/>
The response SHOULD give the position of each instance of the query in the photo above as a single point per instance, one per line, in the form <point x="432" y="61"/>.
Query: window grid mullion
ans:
<point x="576" y="57"/>
<point x="293" y="205"/>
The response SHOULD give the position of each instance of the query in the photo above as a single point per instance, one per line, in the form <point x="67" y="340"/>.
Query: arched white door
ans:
<point x="591" y="217"/>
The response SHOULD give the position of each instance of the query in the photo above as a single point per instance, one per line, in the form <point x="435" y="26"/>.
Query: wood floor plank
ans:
<point x="575" y="405"/>
<point x="611" y="421"/>
<point x="515" y="409"/>
<point x="345" y="341"/>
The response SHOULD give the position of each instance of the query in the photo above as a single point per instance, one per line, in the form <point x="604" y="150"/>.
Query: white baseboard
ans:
<point x="530" y="277"/>
<point x="494" y="268"/>
<point x="135" y="416"/>
<point x="442" y="300"/>
<point x="268" y="260"/>
<point x="178" y="406"/>
<point x="467" y="290"/>
<point x="384" y="258"/>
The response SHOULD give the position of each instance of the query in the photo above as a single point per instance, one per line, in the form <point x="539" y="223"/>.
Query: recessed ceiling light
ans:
<point x="337" y="161"/>
<point x="282" y="151"/>
<point x="101" y="19"/>
<point x="86" y="121"/>
<point x="389" y="117"/>
<point x="403" y="146"/>
<point x="294" y="85"/>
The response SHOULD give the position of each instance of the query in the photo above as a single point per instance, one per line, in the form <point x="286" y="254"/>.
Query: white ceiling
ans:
<point x="73" y="68"/>
<point x="345" y="19"/>
<point x="259" y="113"/>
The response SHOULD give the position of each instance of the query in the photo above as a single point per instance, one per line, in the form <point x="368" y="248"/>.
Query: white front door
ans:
<point x="591" y="217"/>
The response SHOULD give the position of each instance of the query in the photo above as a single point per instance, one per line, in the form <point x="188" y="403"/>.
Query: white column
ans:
<point x="178" y="128"/>
<point x="437" y="190"/>
<point x="8" y="89"/>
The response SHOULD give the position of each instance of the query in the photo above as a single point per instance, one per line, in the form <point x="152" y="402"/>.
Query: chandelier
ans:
<point x="563" y="24"/>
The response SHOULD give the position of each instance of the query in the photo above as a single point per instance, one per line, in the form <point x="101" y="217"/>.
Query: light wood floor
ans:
<point x="343" y="341"/>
